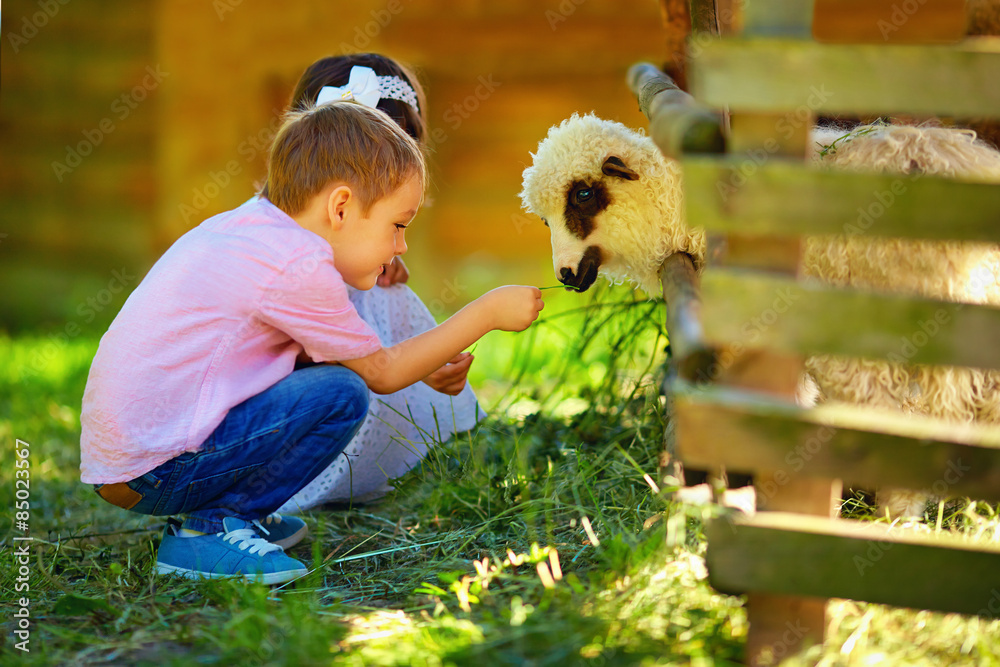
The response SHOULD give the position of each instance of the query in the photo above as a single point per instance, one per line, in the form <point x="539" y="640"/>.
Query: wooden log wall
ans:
<point x="498" y="75"/>
<point x="78" y="111"/>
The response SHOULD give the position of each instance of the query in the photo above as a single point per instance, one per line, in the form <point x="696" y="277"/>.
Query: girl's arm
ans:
<point x="510" y="308"/>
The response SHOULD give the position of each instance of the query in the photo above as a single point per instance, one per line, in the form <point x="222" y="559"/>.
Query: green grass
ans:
<point x="459" y="564"/>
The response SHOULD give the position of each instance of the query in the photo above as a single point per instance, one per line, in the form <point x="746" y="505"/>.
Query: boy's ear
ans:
<point x="337" y="203"/>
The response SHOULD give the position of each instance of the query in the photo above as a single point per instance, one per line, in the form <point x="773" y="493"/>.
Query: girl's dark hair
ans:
<point x="336" y="70"/>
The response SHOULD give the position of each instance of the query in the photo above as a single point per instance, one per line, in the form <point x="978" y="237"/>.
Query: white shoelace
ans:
<point x="270" y="518"/>
<point x="246" y="538"/>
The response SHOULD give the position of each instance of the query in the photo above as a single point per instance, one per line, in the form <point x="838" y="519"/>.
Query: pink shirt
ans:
<point x="219" y="318"/>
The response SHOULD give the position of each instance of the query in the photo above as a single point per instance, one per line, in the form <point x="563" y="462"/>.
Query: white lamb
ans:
<point x="613" y="205"/>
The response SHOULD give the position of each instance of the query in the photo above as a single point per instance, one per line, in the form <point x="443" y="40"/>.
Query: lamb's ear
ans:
<point x="615" y="166"/>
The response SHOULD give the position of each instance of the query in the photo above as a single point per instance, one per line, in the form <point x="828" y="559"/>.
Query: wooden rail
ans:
<point x="956" y="81"/>
<point x="754" y="309"/>
<point x="678" y="125"/>
<point x="681" y="294"/>
<point x="789" y="197"/>
<point x="747" y="433"/>
<point x="819" y="558"/>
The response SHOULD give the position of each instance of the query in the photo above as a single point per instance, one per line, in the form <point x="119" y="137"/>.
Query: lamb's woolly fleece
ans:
<point x="960" y="272"/>
<point x="907" y="149"/>
<point x="643" y="232"/>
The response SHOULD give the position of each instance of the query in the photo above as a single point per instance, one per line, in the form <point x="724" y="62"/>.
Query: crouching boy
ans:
<point x="194" y="405"/>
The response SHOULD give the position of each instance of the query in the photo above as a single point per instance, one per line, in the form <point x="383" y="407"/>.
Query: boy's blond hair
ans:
<point x="341" y="142"/>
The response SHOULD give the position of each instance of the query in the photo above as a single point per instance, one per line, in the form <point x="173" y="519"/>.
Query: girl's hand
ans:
<point x="450" y="379"/>
<point x="396" y="272"/>
<point x="513" y="307"/>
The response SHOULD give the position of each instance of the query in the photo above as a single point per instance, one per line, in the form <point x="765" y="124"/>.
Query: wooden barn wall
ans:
<point x="497" y="76"/>
<point x="78" y="111"/>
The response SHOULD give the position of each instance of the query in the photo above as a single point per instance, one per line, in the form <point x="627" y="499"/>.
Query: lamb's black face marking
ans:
<point x="586" y="272"/>
<point x="583" y="202"/>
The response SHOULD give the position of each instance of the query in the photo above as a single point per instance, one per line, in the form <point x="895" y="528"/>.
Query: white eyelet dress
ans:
<point x="400" y="427"/>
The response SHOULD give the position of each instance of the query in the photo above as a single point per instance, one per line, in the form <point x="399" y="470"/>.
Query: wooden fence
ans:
<point x="734" y="407"/>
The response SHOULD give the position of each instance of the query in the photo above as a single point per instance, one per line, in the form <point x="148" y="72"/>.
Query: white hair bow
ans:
<point x="362" y="86"/>
<point x="366" y="87"/>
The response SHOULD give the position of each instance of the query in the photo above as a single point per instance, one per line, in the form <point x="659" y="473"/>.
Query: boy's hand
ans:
<point x="450" y="379"/>
<point x="396" y="272"/>
<point x="513" y="307"/>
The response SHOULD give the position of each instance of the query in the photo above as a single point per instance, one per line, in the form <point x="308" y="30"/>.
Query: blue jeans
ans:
<point x="265" y="450"/>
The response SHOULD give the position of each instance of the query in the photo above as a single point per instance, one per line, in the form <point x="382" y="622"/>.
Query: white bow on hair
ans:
<point x="362" y="86"/>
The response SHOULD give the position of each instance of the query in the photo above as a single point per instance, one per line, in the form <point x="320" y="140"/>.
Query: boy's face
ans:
<point x="374" y="239"/>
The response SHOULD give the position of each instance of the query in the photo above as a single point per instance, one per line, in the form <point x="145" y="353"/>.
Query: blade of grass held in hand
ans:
<point x="552" y="287"/>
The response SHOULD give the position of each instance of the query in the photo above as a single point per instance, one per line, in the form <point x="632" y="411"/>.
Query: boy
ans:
<point x="192" y="405"/>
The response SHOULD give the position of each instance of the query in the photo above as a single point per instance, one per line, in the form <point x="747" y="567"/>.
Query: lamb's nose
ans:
<point x="565" y="275"/>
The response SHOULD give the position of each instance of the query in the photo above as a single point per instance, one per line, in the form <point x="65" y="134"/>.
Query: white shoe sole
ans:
<point x="269" y="579"/>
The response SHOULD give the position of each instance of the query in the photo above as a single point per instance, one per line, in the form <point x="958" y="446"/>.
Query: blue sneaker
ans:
<point x="236" y="552"/>
<point x="285" y="531"/>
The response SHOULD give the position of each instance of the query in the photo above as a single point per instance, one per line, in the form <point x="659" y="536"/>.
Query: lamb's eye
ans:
<point x="584" y="195"/>
<point x="545" y="222"/>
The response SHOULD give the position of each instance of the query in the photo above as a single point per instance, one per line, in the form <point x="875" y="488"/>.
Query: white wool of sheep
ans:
<point x="644" y="225"/>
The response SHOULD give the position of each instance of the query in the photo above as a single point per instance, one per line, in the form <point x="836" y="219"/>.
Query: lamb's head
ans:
<point x="611" y="202"/>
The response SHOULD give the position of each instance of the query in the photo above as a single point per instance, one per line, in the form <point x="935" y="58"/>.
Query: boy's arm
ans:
<point x="510" y="308"/>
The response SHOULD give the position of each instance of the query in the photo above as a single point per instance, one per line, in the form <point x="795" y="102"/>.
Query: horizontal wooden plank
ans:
<point x="766" y="195"/>
<point x="858" y="79"/>
<point x="888" y="21"/>
<point x="747" y="433"/>
<point x="754" y="309"/>
<point x="793" y="554"/>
